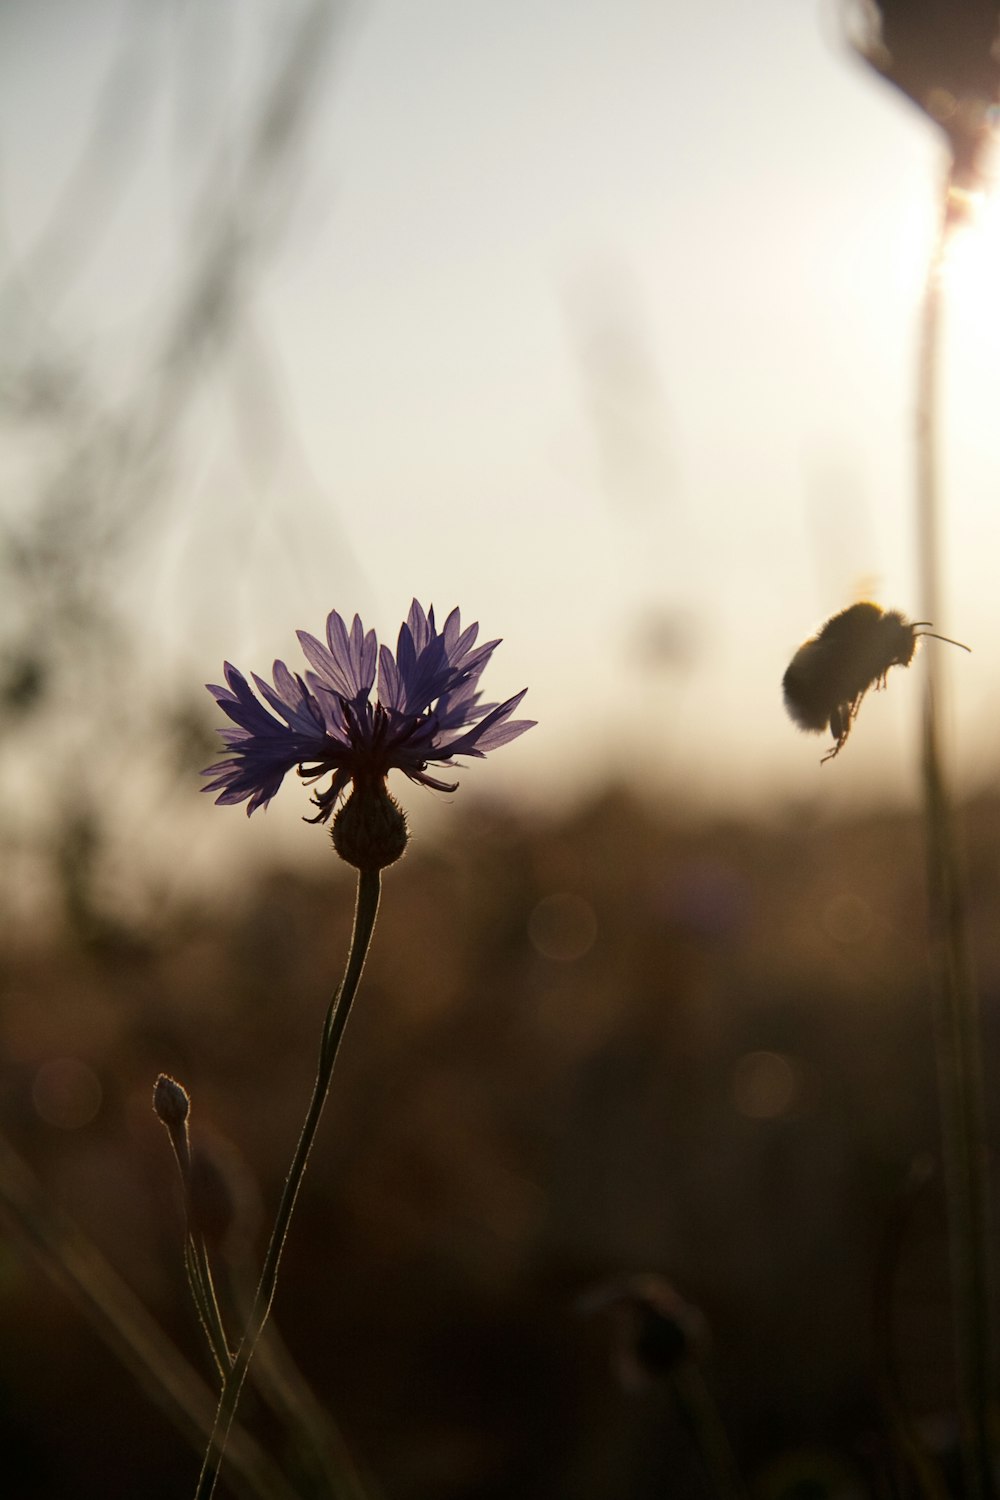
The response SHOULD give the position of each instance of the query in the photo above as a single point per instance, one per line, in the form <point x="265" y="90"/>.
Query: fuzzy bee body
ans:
<point x="830" y="674"/>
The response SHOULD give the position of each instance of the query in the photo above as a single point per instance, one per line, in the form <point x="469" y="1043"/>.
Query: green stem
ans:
<point x="77" y="1267"/>
<point x="956" y="1014"/>
<point x="202" y="1285"/>
<point x="366" y="910"/>
<point x="196" y="1261"/>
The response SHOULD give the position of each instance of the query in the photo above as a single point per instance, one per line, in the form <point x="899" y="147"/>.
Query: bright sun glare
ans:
<point x="972" y="263"/>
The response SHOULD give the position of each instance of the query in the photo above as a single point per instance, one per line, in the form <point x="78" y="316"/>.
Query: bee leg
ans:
<point x="841" y="719"/>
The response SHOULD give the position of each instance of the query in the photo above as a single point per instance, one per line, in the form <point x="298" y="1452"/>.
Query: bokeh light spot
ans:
<point x="766" y="1085"/>
<point x="66" y="1093"/>
<point x="562" y="927"/>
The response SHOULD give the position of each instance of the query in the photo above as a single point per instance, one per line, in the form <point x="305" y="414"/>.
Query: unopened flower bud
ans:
<point x="172" y="1104"/>
<point x="369" y="831"/>
<point x="171" y="1101"/>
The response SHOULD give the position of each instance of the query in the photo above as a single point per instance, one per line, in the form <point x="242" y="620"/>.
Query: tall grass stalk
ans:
<point x="956" y="1006"/>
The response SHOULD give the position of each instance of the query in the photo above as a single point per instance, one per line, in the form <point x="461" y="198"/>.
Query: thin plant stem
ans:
<point x="78" y="1268"/>
<point x="956" y="1008"/>
<point x="366" y="910"/>
<point x="196" y="1262"/>
<point x="202" y="1285"/>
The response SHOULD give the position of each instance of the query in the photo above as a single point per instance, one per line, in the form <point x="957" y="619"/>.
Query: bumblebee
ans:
<point x="830" y="674"/>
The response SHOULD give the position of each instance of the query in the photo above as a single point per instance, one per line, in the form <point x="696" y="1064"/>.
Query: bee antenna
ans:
<point x="935" y="637"/>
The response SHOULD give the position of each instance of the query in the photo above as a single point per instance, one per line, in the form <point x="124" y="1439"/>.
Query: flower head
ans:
<point x="427" y="711"/>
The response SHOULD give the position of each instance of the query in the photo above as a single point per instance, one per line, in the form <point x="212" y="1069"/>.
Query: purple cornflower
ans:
<point x="427" y="711"/>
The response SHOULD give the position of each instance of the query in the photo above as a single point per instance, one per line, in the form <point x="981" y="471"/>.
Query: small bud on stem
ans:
<point x="172" y="1105"/>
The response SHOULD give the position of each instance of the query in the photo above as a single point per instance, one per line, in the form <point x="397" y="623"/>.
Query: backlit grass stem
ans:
<point x="956" y="1009"/>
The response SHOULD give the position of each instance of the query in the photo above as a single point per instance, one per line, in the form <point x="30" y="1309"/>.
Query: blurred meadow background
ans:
<point x="599" y="321"/>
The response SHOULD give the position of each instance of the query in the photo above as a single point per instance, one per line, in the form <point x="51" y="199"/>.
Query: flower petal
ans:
<point x="324" y="722"/>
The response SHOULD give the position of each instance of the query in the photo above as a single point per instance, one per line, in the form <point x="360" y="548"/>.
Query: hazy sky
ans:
<point x="595" y="317"/>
